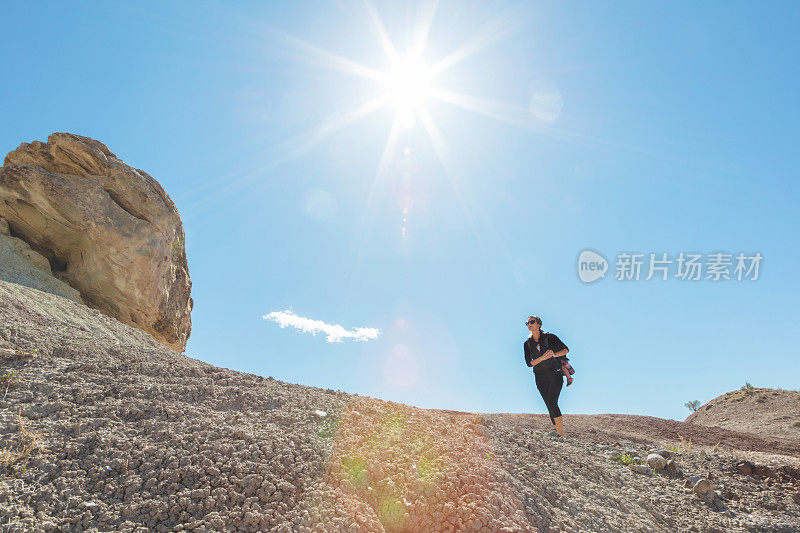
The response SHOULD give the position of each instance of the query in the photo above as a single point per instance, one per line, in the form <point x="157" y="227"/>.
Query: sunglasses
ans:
<point x="529" y="322"/>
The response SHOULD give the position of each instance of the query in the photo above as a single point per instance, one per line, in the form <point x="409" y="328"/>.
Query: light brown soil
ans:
<point x="648" y="429"/>
<point x="108" y="430"/>
<point x="767" y="412"/>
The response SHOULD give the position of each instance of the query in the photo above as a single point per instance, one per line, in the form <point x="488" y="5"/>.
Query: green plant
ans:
<point x="693" y="405"/>
<point x="9" y="377"/>
<point x="796" y="424"/>
<point x="626" y="460"/>
<point x="8" y="380"/>
<point x="673" y="449"/>
<point x="747" y="386"/>
<point x="17" y="353"/>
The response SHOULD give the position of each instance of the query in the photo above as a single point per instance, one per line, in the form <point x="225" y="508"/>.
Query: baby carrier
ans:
<point x="563" y="362"/>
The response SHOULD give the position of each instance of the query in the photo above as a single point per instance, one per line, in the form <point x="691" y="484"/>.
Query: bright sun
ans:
<point x="411" y="85"/>
<point x="408" y="86"/>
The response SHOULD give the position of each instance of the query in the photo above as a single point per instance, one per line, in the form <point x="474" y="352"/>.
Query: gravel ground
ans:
<point x="104" y="429"/>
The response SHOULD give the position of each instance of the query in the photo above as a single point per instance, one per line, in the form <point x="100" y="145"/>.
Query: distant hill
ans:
<point x="766" y="412"/>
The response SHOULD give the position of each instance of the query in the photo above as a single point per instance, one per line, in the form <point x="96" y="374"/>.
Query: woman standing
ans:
<point x="539" y="353"/>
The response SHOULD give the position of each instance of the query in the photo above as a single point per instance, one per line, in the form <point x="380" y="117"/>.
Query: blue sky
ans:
<point x="660" y="128"/>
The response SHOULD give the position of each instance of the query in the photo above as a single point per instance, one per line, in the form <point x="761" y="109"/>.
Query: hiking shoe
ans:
<point x="554" y="433"/>
<point x="569" y="381"/>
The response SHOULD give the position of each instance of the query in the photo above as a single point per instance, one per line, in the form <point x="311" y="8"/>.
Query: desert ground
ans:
<point x="105" y="429"/>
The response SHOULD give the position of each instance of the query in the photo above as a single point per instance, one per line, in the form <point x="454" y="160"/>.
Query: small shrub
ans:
<point x="14" y="458"/>
<point x="10" y="378"/>
<point x="796" y="424"/>
<point x="673" y="449"/>
<point x="693" y="405"/>
<point x="17" y="353"/>
<point x="626" y="460"/>
<point x="8" y="381"/>
<point x="747" y="386"/>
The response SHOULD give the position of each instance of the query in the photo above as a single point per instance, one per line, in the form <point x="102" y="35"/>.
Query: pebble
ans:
<point x="673" y="468"/>
<point x="663" y="452"/>
<point x="703" y="486"/>
<point x="656" y="461"/>
<point x="692" y="481"/>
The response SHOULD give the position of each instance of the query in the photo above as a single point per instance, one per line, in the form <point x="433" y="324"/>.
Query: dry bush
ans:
<point x="686" y="444"/>
<point x="8" y="380"/>
<point x="17" y="353"/>
<point x="14" y="458"/>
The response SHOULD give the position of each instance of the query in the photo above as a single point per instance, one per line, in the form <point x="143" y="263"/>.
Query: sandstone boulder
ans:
<point x="107" y="230"/>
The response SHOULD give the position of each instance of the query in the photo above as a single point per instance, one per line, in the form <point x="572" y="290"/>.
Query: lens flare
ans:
<point x="397" y="468"/>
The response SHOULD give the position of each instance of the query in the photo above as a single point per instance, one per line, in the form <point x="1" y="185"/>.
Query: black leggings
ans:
<point x="549" y="385"/>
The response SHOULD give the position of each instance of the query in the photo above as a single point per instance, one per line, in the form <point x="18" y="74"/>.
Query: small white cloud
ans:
<point x="335" y="332"/>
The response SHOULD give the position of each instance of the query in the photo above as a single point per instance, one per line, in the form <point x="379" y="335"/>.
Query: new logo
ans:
<point x="591" y="266"/>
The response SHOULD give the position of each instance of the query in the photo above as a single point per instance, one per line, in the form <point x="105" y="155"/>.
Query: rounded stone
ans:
<point x="656" y="461"/>
<point x="703" y="486"/>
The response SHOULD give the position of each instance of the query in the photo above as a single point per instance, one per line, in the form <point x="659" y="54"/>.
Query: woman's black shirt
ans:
<point x="533" y="349"/>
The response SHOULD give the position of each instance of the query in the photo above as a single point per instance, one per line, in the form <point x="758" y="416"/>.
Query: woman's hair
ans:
<point x="541" y="331"/>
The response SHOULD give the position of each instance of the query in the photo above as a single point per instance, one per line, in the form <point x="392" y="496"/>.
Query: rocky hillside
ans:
<point x="767" y="412"/>
<point x="105" y="429"/>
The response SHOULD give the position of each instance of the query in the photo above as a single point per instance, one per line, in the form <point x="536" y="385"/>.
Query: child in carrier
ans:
<point x="566" y="368"/>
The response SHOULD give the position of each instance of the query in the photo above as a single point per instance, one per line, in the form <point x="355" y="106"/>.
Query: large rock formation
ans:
<point x="107" y="230"/>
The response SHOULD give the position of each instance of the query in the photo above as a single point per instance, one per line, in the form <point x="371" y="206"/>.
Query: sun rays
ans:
<point x="405" y="83"/>
<point x="408" y="84"/>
